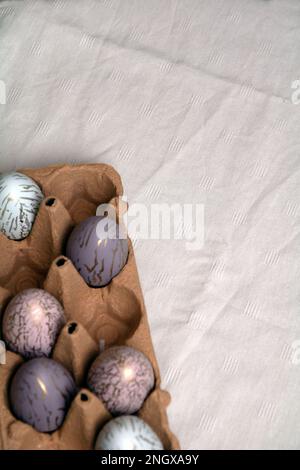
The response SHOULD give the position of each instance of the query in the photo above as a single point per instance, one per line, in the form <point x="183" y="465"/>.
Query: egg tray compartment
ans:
<point x="96" y="318"/>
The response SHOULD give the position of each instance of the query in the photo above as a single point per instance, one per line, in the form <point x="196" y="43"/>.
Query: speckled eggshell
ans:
<point x="41" y="392"/>
<point x="20" y="199"/>
<point x="32" y="322"/>
<point x="127" y="433"/>
<point x="121" y="377"/>
<point x="97" y="259"/>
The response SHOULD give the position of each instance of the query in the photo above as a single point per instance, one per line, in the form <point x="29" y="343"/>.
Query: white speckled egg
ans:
<point x="127" y="433"/>
<point x="20" y="199"/>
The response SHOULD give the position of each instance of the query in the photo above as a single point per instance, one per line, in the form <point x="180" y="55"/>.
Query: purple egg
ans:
<point x="41" y="392"/>
<point x="97" y="250"/>
<point x="32" y="322"/>
<point x="121" y="377"/>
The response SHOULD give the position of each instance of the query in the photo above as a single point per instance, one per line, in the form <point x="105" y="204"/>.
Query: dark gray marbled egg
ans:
<point x="127" y="433"/>
<point x="41" y="392"/>
<point x="97" y="257"/>
<point x="32" y="322"/>
<point x="20" y="199"/>
<point x="121" y="377"/>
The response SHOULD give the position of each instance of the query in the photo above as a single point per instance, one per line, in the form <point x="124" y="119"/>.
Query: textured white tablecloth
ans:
<point x="191" y="101"/>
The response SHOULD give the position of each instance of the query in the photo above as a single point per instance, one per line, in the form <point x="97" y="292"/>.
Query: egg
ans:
<point x="20" y="199"/>
<point x="96" y="256"/>
<point x="41" y="392"/>
<point x="121" y="377"/>
<point x="127" y="433"/>
<point x="32" y="322"/>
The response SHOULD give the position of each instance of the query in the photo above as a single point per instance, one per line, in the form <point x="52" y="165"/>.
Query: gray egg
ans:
<point x="97" y="255"/>
<point x="127" y="433"/>
<point x="20" y="199"/>
<point x="41" y="392"/>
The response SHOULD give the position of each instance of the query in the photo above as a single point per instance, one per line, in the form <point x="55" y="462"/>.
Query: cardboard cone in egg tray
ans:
<point x="111" y="315"/>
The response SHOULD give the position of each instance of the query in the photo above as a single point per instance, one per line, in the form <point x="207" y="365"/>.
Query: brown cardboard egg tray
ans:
<point x="106" y="316"/>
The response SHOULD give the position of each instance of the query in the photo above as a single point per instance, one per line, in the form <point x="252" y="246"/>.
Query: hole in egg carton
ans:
<point x="50" y="202"/>
<point x="61" y="262"/>
<point x="84" y="397"/>
<point x="115" y="313"/>
<point x="72" y="328"/>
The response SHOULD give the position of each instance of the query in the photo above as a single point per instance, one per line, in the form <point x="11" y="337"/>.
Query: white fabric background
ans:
<point x="190" y="100"/>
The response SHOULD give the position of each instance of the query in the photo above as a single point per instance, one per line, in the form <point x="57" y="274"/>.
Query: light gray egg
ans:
<point x="32" y="322"/>
<point x="127" y="433"/>
<point x="122" y="377"/>
<point x="20" y="199"/>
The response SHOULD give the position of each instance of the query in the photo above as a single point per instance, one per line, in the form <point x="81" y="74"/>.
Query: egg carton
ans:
<point x="96" y="318"/>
